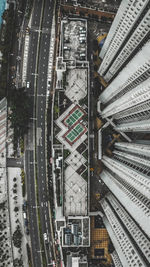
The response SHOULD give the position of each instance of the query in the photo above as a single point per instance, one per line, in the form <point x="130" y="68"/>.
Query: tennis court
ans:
<point x="75" y="133"/>
<point x="73" y="117"/>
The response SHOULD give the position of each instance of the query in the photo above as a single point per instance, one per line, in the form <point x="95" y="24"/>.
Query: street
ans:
<point x="35" y="156"/>
<point x="29" y="152"/>
<point x="40" y="123"/>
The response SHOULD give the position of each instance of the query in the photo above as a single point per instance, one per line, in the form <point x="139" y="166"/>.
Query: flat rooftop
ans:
<point x="72" y="80"/>
<point x="72" y="135"/>
<point x="76" y="84"/>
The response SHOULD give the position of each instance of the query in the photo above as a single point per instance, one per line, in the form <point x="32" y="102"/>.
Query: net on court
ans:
<point x="73" y="117"/>
<point x="73" y="134"/>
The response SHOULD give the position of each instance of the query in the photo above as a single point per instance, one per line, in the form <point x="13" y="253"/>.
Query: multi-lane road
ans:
<point x="42" y="82"/>
<point x="40" y="33"/>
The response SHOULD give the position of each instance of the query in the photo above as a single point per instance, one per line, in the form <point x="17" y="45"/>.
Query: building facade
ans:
<point x="127" y="207"/>
<point x="125" y="102"/>
<point x="129" y="29"/>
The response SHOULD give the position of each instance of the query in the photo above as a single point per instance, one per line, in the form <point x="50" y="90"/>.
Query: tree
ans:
<point x="17" y="237"/>
<point x="17" y="262"/>
<point x="20" y="105"/>
<point x="16" y="209"/>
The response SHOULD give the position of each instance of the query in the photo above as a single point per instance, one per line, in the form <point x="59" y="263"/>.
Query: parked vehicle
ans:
<point x="82" y="35"/>
<point x="28" y="85"/>
<point x="82" y="38"/>
<point x="82" y="55"/>
<point x="27" y="231"/>
<point x="45" y="237"/>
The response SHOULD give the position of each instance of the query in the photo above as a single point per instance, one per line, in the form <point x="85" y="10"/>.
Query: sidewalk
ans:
<point x="25" y="60"/>
<point x="16" y="212"/>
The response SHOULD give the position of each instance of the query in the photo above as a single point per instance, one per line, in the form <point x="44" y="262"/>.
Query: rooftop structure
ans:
<point x="76" y="232"/>
<point x="99" y="241"/>
<point x="70" y="150"/>
<point x="76" y="260"/>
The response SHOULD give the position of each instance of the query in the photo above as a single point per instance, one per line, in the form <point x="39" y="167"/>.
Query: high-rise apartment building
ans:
<point x="125" y="103"/>
<point x="129" y="31"/>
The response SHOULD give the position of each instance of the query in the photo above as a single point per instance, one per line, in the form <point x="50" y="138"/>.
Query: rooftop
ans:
<point x="75" y="260"/>
<point x="76" y="232"/>
<point x="76" y="84"/>
<point x="72" y="135"/>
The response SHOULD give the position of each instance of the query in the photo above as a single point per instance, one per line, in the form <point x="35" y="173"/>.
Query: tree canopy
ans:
<point x="20" y="105"/>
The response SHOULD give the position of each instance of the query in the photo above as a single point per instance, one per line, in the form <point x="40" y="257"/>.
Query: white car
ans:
<point x="28" y="85"/>
<point x="45" y="237"/>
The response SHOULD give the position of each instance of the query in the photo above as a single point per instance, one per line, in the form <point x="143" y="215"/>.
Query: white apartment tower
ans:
<point x="125" y="103"/>
<point x="127" y="206"/>
<point x="128" y="32"/>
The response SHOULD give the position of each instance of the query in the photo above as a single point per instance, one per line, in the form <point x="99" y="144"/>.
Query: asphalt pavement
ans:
<point x="40" y="123"/>
<point x="29" y="153"/>
<point x="37" y="77"/>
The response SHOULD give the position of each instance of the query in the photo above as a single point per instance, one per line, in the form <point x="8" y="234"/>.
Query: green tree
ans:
<point x="20" y="105"/>
<point x="17" y="237"/>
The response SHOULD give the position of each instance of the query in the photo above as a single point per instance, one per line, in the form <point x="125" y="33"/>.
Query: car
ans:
<point x="28" y="85"/>
<point x="27" y="30"/>
<point x="82" y="55"/>
<point x="82" y="41"/>
<point x="82" y="38"/>
<point x="82" y="35"/>
<point x="27" y="231"/>
<point x="49" y="83"/>
<point x="26" y="222"/>
<point x="45" y="237"/>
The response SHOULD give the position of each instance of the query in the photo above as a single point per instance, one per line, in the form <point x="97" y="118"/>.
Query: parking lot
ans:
<point x="74" y="40"/>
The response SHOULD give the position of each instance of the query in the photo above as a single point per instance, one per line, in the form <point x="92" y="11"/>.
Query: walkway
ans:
<point x="13" y="162"/>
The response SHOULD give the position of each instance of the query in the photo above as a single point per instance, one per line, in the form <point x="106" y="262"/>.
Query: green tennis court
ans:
<point x="75" y="132"/>
<point x="73" y="117"/>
